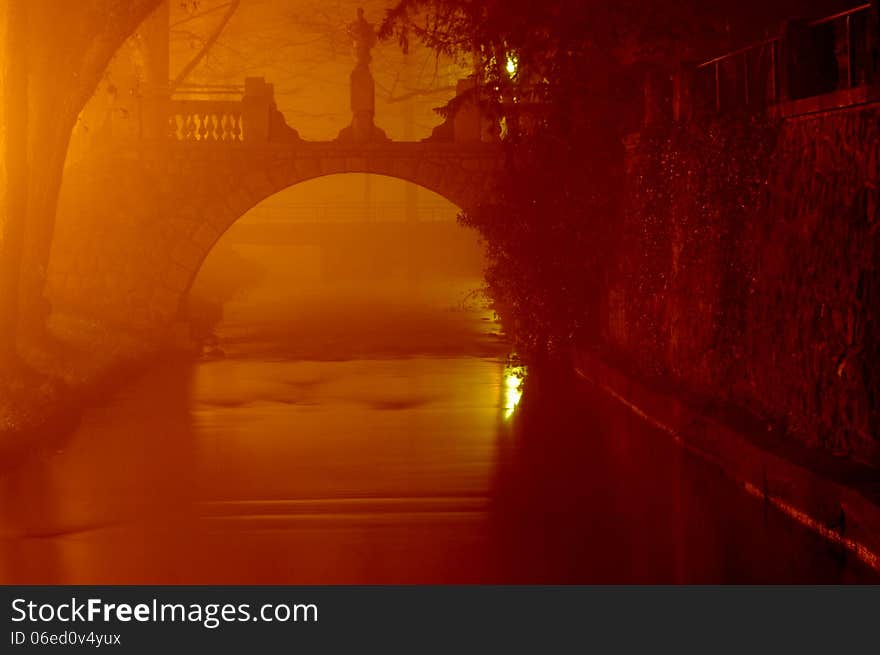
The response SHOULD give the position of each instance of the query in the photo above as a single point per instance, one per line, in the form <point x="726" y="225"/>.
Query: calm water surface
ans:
<point x="355" y="437"/>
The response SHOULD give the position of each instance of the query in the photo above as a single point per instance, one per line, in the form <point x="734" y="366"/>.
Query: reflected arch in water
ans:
<point x="79" y="513"/>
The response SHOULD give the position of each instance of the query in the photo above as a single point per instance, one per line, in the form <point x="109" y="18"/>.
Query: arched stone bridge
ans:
<point x="137" y="219"/>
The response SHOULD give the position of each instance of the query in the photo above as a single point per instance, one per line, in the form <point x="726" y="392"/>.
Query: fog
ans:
<point x="320" y="271"/>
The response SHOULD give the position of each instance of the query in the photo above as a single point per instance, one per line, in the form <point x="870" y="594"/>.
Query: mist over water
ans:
<point x="357" y="319"/>
<point x="355" y="418"/>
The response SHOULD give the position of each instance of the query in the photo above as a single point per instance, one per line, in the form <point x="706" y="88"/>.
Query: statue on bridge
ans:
<point x="363" y="38"/>
<point x="363" y="92"/>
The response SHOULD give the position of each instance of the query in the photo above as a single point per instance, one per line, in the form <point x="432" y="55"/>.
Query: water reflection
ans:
<point x="102" y="503"/>
<point x="327" y="448"/>
<point x="513" y="384"/>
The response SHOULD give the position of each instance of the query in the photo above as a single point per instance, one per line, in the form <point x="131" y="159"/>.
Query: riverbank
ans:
<point x="836" y="497"/>
<point x="42" y="396"/>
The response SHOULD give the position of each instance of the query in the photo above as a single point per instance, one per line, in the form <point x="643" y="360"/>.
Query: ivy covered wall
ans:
<point x="748" y="270"/>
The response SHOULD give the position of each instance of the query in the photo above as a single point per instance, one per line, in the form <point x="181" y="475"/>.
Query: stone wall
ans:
<point x="748" y="270"/>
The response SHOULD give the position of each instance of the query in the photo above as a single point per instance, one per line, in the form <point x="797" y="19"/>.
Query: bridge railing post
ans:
<point x="257" y="102"/>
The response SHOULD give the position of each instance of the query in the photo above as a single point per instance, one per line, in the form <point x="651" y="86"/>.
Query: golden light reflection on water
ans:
<point x="514" y="376"/>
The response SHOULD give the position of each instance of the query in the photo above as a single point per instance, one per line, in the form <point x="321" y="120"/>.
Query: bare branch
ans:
<point x="206" y="46"/>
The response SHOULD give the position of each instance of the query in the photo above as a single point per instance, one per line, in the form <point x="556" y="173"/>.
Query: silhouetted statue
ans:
<point x="363" y="39"/>
<point x="363" y="92"/>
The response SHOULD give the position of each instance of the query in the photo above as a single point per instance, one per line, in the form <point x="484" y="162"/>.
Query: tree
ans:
<point x="564" y="77"/>
<point x="55" y="54"/>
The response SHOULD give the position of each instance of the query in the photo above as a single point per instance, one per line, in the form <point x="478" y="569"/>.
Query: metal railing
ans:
<point x="750" y="75"/>
<point x="834" y="53"/>
<point x="855" y="26"/>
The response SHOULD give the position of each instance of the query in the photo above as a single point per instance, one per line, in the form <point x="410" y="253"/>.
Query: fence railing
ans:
<point x="744" y="78"/>
<point x="808" y="59"/>
<point x="854" y="35"/>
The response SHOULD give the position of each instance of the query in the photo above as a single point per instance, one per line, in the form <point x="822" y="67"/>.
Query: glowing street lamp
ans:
<point x="512" y="65"/>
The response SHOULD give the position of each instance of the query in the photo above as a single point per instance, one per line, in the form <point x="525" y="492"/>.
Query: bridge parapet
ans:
<point x="247" y="120"/>
<point x="254" y="119"/>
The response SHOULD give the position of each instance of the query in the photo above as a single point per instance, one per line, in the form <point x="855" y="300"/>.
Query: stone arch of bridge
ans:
<point x="228" y="219"/>
<point x="134" y="233"/>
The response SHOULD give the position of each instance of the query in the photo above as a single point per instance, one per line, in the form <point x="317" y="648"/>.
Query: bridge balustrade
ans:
<point x="246" y="119"/>
<point x="206" y="121"/>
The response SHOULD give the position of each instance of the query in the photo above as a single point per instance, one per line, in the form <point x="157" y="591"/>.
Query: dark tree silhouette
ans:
<point x="574" y="70"/>
<point x="54" y="54"/>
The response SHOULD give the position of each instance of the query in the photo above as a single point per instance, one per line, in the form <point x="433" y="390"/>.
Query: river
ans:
<point x="349" y="435"/>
